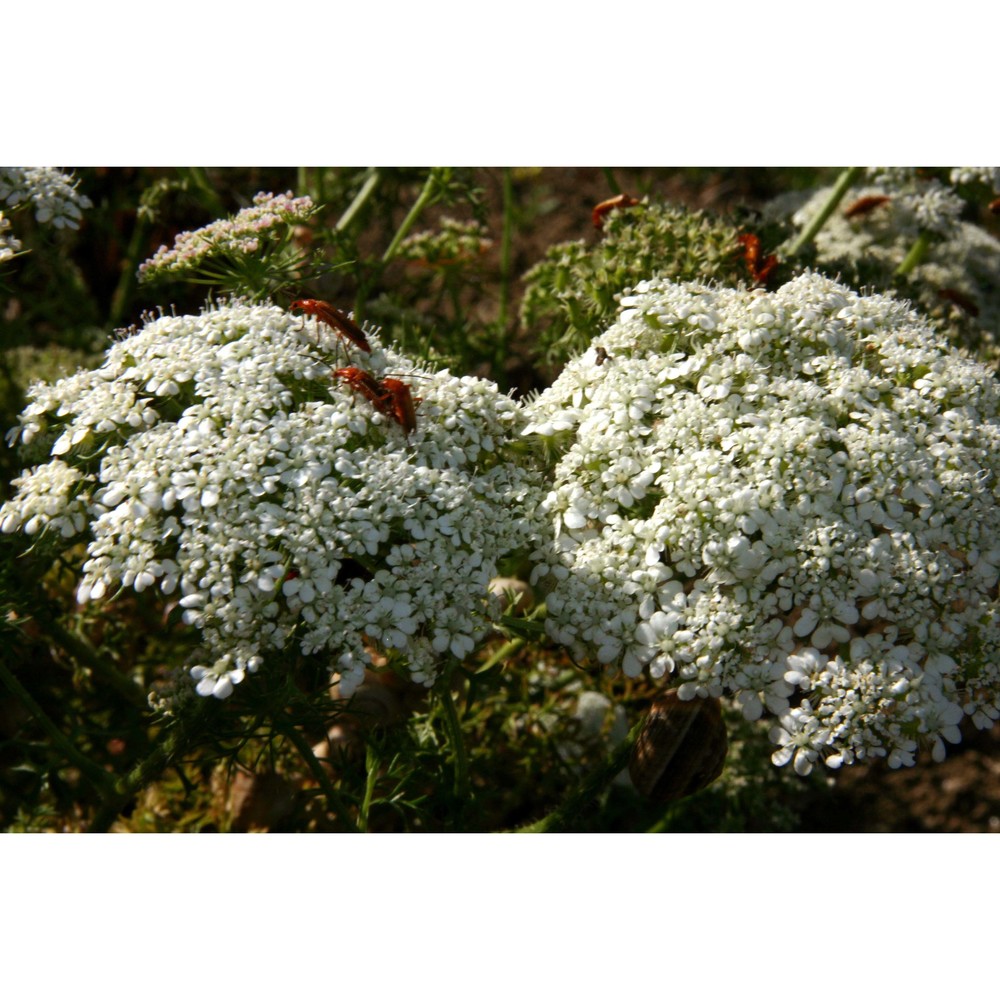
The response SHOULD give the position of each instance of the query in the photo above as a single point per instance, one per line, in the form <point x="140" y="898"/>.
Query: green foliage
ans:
<point x="99" y="727"/>
<point x="572" y="294"/>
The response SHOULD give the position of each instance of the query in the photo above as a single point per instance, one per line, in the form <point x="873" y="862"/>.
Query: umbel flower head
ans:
<point x="219" y="458"/>
<point x="269" y="217"/>
<point x="874" y="228"/>
<point x="789" y="498"/>
<point x="53" y="194"/>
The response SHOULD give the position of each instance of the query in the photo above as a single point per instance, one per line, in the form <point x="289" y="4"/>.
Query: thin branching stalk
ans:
<point x="591" y="785"/>
<point x="507" y="650"/>
<point x="317" y="770"/>
<point x="87" y="656"/>
<point x="610" y="178"/>
<point x="198" y="179"/>
<point x="129" y="277"/>
<point x="176" y="738"/>
<point x="371" y="778"/>
<point x="506" y="253"/>
<point x="372" y="177"/>
<point x="102" y="781"/>
<point x="455" y="739"/>
<point x="844" y="181"/>
<point x="916" y="254"/>
<point x="425" y="197"/>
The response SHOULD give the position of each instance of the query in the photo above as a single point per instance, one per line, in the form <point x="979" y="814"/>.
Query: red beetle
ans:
<point x="390" y="397"/>
<point x="760" y="270"/>
<point x="404" y="409"/>
<point x="601" y="210"/>
<point x="865" y="205"/>
<point x="334" y="318"/>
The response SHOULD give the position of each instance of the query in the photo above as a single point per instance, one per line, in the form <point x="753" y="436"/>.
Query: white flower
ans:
<point x="960" y="272"/>
<point x="218" y="457"/>
<point x="800" y="739"/>
<point x="815" y="515"/>
<point x="9" y="246"/>
<point x="53" y="194"/>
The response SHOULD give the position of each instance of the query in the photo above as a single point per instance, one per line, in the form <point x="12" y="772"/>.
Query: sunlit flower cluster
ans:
<point x="219" y="459"/>
<point x="9" y="246"/>
<point x="52" y="193"/>
<point x="875" y="227"/>
<point x="986" y="176"/>
<point x="241" y="234"/>
<point x="789" y="498"/>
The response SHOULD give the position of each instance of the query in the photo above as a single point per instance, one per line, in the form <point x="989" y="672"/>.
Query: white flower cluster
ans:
<point x="987" y="176"/>
<point x="241" y="234"/>
<point x="53" y="194"/>
<point x="219" y="458"/>
<point x="789" y="498"/>
<point x="9" y="246"/>
<point x="962" y="266"/>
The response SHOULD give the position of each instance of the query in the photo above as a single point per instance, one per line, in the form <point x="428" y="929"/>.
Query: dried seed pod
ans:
<point x="681" y="748"/>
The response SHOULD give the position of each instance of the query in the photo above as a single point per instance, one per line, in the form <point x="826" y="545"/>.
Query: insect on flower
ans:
<point x="619" y="201"/>
<point x="335" y="319"/>
<point x="760" y="270"/>
<point x="865" y="205"/>
<point x="390" y="397"/>
<point x="404" y="410"/>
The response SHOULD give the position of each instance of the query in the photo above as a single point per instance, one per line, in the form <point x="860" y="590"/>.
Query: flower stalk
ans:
<point x="590" y="787"/>
<point x="844" y="182"/>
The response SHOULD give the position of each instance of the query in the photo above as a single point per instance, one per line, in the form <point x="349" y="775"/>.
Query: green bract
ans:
<point x="572" y="294"/>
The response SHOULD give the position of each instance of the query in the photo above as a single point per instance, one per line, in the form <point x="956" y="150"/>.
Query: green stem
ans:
<point x="360" y="199"/>
<point x="506" y="650"/>
<point x="425" y="197"/>
<point x="321" y="775"/>
<point x="844" y="181"/>
<point x="127" y="279"/>
<point x="591" y="785"/>
<point x="512" y="646"/>
<point x="302" y="185"/>
<point x="176" y="737"/>
<point x="610" y="178"/>
<point x="917" y="253"/>
<point x="371" y="777"/>
<point x="456" y="740"/>
<point x="102" y="781"/>
<point x="506" y="246"/>
<point x="198" y="178"/>
<point x="85" y="654"/>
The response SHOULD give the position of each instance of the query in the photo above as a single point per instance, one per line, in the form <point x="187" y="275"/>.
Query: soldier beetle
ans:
<point x="760" y="270"/>
<point x="404" y="409"/>
<point x="601" y="210"/>
<point x="390" y="397"/>
<point x="335" y="319"/>
<point x="865" y="205"/>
